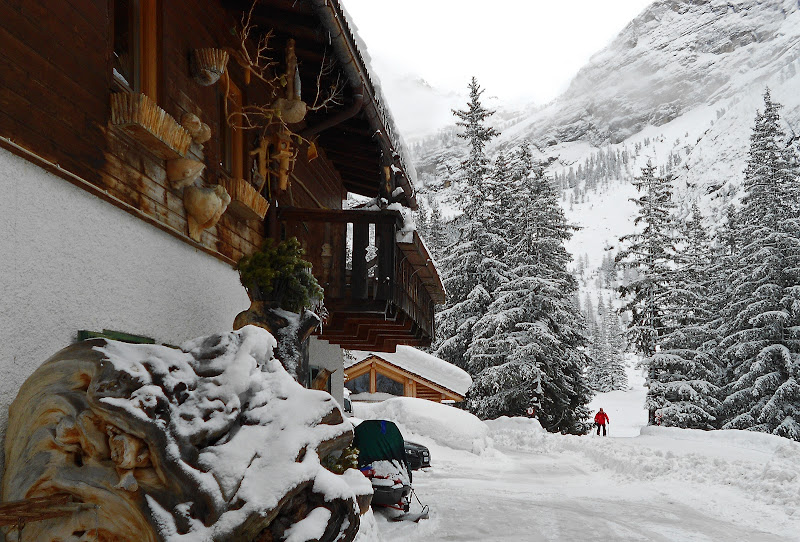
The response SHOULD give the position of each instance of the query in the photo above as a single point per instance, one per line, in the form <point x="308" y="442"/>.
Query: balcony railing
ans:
<point x="379" y="292"/>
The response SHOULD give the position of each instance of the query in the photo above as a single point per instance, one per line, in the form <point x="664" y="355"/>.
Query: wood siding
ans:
<point x="55" y="86"/>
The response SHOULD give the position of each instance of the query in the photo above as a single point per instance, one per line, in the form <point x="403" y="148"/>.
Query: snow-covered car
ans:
<point x="417" y="455"/>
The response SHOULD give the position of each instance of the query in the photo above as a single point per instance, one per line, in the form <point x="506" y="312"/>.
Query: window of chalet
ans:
<point x="360" y="384"/>
<point x="231" y="139"/>
<point x="135" y="53"/>
<point x="384" y="384"/>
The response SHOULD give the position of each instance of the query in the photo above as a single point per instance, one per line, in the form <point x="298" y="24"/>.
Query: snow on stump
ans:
<point x="211" y="442"/>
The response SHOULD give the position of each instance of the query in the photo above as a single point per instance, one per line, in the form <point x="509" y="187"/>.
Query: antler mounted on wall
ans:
<point x="285" y="107"/>
<point x="279" y="143"/>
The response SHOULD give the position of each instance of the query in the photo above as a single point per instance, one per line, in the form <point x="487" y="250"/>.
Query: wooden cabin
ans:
<point x="144" y="150"/>
<point x="407" y="372"/>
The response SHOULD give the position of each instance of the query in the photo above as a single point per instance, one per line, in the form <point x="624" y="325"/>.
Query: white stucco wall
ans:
<point x="70" y="261"/>
<point x="329" y="356"/>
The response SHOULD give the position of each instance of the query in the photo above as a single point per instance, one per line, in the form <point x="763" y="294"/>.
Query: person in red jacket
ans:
<point x="600" y="420"/>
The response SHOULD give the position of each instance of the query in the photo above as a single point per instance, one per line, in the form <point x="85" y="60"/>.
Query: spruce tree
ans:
<point x="649" y="252"/>
<point x="606" y="369"/>
<point x="472" y="266"/>
<point x="684" y="389"/>
<point x="527" y="347"/>
<point x="437" y="230"/>
<point x="761" y="342"/>
<point x="473" y="120"/>
<point x="617" y="378"/>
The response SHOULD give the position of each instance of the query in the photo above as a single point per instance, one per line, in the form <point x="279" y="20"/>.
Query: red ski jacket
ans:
<point x="601" y="418"/>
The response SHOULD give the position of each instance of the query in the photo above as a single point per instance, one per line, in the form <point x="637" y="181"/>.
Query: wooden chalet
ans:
<point x="162" y="109"/>
<point x="407" y="372"/>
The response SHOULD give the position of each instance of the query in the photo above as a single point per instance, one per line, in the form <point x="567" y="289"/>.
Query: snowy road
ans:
<point x="641" y="484"/>
<point x="518" y="496"/>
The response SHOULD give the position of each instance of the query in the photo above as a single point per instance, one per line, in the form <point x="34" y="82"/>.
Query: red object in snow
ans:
<point x="601" y="418"/>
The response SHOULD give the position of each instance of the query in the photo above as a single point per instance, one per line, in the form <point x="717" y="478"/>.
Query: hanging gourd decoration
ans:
<point x="183" y="172"/>
<point x="291" y="108"/>
<point x="199" y="130"/>
<point x="204" y="207"/>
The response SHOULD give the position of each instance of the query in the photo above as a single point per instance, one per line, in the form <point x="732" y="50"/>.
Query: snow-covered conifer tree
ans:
<point x="761" y="328"/>
<point x="606" y="365"/>
<point x="649" y="251"/>
<point x="684" y="389"/>
<point x="617" y="378"/>
<point x="472" y="266"/>
<point x="526" y="347"/>
<point x="436" y="238"/>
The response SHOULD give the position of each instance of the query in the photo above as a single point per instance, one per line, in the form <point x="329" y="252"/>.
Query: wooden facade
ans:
<point x="413" y="384"/>
<point x="60" y="65"/>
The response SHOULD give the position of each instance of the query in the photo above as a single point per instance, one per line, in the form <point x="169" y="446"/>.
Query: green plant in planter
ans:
<point x="279" y="276"/>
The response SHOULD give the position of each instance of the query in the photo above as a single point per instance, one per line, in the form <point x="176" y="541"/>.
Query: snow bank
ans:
<point x="444" y="424"/>
<point x="764" y="466"/>
<point x="367" y="397"/>
<point x="368" y="529"/>
<point x="516" y="433"/>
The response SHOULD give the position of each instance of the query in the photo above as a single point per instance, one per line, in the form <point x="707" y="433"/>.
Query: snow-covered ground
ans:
<point x="639" y="484"/>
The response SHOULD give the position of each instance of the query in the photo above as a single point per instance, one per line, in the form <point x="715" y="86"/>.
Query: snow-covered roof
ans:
<point x="421" y="364"/>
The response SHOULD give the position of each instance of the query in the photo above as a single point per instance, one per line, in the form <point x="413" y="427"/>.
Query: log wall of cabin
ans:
<point x="55" y="86"/>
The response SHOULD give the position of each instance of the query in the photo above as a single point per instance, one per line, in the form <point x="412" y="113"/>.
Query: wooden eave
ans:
<point x="424" y="267"/>
<point x="350" y="145"/>
<point x="363" y="367"/>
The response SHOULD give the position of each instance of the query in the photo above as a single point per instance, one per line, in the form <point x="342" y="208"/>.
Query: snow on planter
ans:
<point x="446" y="425"/>
<point x="213" y="441"/>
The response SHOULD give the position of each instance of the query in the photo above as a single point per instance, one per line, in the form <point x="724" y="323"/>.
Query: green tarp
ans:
<point x="380" y="440"/>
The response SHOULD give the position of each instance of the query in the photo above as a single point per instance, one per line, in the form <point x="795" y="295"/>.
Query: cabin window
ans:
<point x="359" y="384"/>
<point x="384" y="384"/>
<point x="136" y="46"/>
<point x="231" y="139"/>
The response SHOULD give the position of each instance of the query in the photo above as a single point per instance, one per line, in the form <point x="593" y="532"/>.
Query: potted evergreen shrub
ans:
<point x="281" y="289"/>
<point x="278" y="276"/>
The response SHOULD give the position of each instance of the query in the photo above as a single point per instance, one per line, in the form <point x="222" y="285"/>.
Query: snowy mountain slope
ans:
<point x="676" y="56"/>
<point x="684" y="78"/>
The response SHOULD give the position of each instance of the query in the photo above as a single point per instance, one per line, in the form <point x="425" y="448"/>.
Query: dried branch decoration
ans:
<point x="278" y="142"/>
<point x="258" y="62"/>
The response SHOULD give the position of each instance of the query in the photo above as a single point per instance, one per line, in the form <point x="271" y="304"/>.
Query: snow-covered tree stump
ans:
<point x="214" y="441"/>
<point x="290" y="329"/>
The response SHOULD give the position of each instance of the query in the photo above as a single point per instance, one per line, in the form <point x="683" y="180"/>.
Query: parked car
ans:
<point x="417" y="455"/>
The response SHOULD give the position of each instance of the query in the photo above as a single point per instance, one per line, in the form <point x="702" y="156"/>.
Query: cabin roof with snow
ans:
<point x="426" y="371"/>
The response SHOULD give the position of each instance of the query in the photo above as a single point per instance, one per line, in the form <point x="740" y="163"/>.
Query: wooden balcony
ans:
<point x="379" y="292"/>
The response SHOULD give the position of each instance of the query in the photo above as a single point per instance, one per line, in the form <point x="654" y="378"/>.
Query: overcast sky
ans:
<point x="521" y="51"/>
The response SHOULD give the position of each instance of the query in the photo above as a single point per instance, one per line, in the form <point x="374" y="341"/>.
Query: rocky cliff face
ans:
<point x="676" y="56"/>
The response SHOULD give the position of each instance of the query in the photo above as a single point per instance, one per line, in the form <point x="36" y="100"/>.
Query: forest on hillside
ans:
<point x="714" y="313"/>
